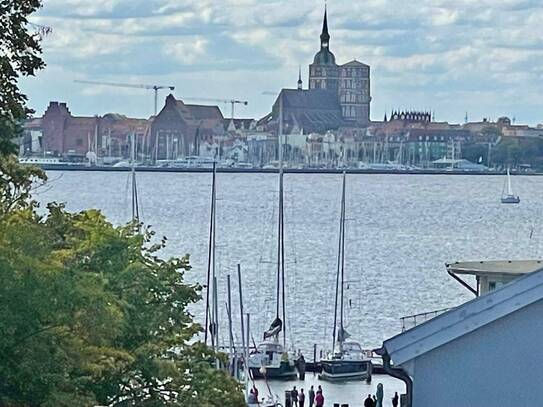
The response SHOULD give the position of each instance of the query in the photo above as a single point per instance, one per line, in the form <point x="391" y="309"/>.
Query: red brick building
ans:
<point x="65" y="135"/>
<point x="179" y="128"/>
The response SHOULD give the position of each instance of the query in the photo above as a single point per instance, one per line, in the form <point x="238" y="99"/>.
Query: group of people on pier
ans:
<point x="316" y="399"/>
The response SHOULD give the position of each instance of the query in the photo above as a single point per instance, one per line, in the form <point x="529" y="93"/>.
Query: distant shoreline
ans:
<point x="84" y="168"/>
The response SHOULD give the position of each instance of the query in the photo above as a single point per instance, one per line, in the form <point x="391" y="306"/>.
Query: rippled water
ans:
<point x="401" y="230"/>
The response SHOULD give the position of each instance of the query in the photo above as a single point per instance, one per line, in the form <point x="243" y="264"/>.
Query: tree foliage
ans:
<point x="91" y="315"/>
<point x="19" y="56"/>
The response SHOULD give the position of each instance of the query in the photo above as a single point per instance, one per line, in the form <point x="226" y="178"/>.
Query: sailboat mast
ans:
<point x="340" y="268"/>
<point x="342" y="257"/>
<point x="213" y="263"/>
<point x="280" y="232"/>
<point x="135" y="206"/>
<point x="509" y="189"/>
<point x="283" y="264"/>
<point x="209" y="319"/>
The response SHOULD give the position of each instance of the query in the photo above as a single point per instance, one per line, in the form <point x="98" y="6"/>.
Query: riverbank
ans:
<point x="75" y="167"/>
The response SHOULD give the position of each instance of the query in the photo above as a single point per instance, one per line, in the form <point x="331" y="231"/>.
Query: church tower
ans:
<point x="300" y="84"/>
<point x="323" y="72"/>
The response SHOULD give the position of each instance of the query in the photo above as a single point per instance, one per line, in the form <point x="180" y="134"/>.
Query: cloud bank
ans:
<point x="477" y="56"/>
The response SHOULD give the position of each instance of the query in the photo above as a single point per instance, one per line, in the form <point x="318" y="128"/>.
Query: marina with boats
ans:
<point x="342" y="358"/>
<point x="273" y="358"/>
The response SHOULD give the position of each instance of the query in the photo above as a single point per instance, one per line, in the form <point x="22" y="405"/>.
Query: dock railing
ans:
<point x="412" y="321"/>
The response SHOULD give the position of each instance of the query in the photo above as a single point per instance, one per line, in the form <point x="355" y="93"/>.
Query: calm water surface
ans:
<point x="401" y="230"/>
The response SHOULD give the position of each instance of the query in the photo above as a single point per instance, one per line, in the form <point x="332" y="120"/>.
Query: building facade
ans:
<point x="59" y="133"/>
<point x="349" y="83"/>
<point x="481" y="353"/>
<point x="179" y="129"/>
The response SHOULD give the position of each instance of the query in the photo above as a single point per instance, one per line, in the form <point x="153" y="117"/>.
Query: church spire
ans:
<point x="299" y="78"/>
<point x="325" y="37"/>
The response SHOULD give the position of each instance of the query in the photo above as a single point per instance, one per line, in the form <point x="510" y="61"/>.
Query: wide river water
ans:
<point x="400" y="232"/>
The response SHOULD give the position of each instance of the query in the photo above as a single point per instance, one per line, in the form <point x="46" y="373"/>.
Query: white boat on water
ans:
<point x="347" y="361"/>
<point x="510" y="197"/>
<point x="37" y="160"/>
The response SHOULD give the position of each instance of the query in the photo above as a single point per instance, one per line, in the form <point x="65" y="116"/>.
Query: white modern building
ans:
<point x="486" y="352"/>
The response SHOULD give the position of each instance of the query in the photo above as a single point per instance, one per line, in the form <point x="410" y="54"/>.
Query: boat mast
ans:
<point x="135" y="206"/>
<point x="342" y="338"/>
<point x="280" y="289"/>
<point x="509" y="189"/>
<point x="340" y="272"/>
<point x="210" y="310"/>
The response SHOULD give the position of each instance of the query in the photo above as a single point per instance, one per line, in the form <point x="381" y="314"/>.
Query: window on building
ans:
<point x="491" y="285"/>
<point x="79" y="142"/>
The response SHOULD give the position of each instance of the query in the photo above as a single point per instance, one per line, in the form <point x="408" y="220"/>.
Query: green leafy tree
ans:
<point x="91" y="315"/>
<point x="19" y="56"/>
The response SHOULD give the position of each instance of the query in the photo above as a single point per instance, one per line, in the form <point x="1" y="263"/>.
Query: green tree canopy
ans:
<point x="19" y="56"/>
<point x="91" y="315"/>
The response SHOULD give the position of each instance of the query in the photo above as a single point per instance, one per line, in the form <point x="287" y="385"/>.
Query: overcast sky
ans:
<point x="484" y="57"/>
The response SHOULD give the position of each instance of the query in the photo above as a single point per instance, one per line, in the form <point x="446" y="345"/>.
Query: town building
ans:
<point x="179" y="128"/>
<point x="348" y="83"/>
<point x="490" y="275"/>
<point x="59" y="133"/>
<point x="482" y="353"/>
<point x="337" y="96"/>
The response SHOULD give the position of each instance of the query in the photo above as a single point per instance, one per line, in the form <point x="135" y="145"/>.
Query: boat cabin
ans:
<point x="270" y="347"/>
<point x="490" y="275"/>
<point x="349" y="350"/>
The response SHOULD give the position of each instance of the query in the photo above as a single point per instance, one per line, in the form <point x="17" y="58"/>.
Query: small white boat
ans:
<point x="510" y="198"/>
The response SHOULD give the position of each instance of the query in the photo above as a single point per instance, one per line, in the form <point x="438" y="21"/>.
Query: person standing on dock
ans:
<point x="255" y="391"/>
<point x="311" y="396"/>
<point x="294" y="396"/>
<point x="395" y="399"/>
<point x="369" y="402"/>
<point x="301" y="398"/>
<point x="319" y="399"/>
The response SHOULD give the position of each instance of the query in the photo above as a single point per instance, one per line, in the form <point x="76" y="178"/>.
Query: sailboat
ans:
<point x="510" y="198"/>
<point x="347" y="361"/>
<point x="271" y="359"/>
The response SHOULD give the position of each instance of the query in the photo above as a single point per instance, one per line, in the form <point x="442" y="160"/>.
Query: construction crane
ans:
<point x="231" y="101"/>
<point x="156" y="88"/>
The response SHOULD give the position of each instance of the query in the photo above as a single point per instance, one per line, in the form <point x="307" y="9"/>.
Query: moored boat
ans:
<point x="347" y="361"/>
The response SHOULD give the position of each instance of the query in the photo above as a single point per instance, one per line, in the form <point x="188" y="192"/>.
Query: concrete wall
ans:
<point x="497" y="365"/>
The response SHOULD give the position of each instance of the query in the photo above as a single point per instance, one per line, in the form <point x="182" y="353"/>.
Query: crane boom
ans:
<point x="156" y="88"/>
<point x="127" y="85"/>
<point x="231" y="101"/>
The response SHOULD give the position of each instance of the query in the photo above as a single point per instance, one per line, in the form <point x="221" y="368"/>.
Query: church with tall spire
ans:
<point x="350" y="82"/>
<point x="338" y="96"/>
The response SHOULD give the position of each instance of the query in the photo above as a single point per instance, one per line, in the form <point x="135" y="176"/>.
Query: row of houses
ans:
<point x="180" y="130"/>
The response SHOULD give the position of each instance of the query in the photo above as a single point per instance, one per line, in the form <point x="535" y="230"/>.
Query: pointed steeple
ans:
<point x="299" y="78"/>
<point x="325" y="37"/>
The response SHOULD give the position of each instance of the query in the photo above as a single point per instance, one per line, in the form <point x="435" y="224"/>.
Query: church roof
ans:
<point x="313" y="110"/>
<point x="202" y="112"/>
<point x="324" y="57"/>
<point x="203" y="116"/>
<point x="354" y="62"/>
<point x="309" y="99"/>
